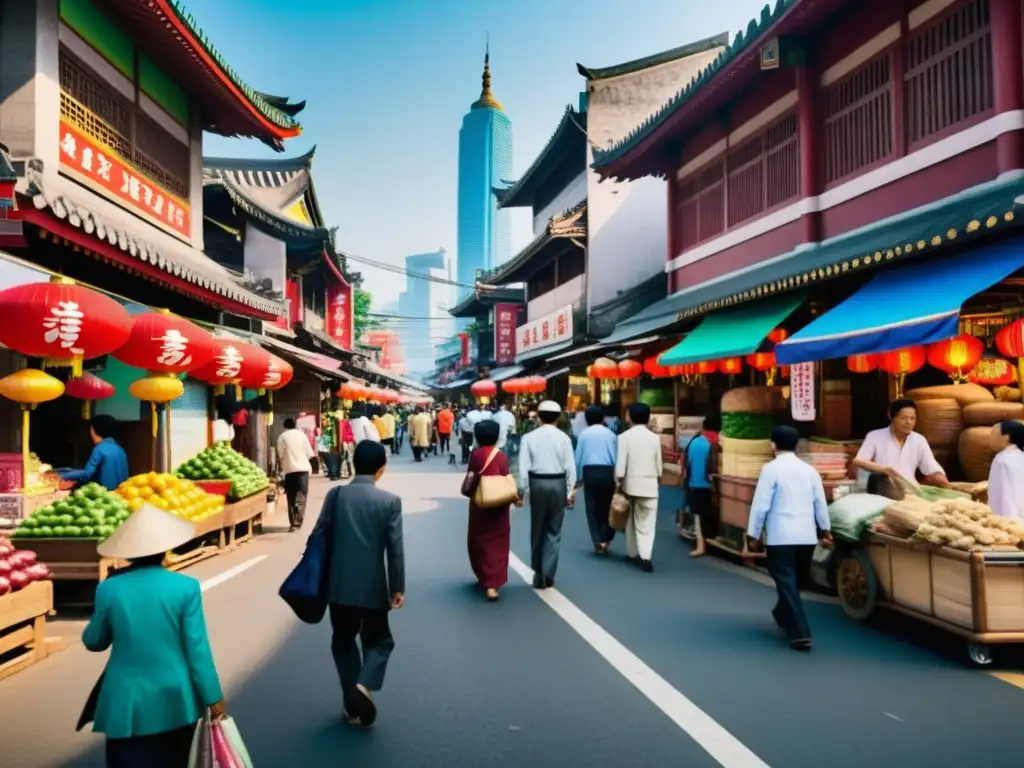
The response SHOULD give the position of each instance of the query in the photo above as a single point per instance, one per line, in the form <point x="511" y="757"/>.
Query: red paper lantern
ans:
<point x="956" y="356"/>
<point x="536" y="384"/>
<point x="1010" y="340"/>
<point x="993" y="372"/>
<point x="512" y="386"/>
<point x="603" y="368"/>
<point x="900" y="362"/>
<point x="707" y="367"/>
<point x="862" y="363"/>
<point x="164" y="343"/>
<point x="688" y="369"/>
<point x="89" y="388"/>
<point x="227" y="363"/>
<point x="62" y="322"/>
<point x="655" y="369"/>
<point x="629" y="369"/>
<point x="483" y="389"/>
<point x="778" y="335"/>
<point x="761" y="361"/>
<point x="731" y="365"/>
<point x="276" y="375"/>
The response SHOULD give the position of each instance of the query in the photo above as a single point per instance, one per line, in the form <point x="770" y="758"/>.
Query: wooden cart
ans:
<point x="23" y="628"/>
<point x="243" y="516"/>
<point x="976" y="595"/>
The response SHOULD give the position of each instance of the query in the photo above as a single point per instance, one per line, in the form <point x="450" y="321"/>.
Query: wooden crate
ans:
<point x="23" y="628"/>
<point x="72" y="559"/>
<point x="245" y="514"/>
<point x="211" y="539"/>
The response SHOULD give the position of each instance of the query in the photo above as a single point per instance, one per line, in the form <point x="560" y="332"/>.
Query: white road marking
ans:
<point x="893" y="717"/>
<point x="220" y="578"/>
<point x="725" y="748"/>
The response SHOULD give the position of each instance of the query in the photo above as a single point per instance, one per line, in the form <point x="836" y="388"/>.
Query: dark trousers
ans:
<point x="371" y="627"/>
<point x="389" y="442"/>
<point x="702" y="507"/>
<point x="598" y="489"/>
<point x="296" y="486"/>
<point x="790" y="567"/>
<point x="547" y="513"/>
<point x="446" y="441"/>
<point x="169" y="749"/>
<point x="417" y="453"/>
<point x="466" y="439"/>
<point x="332" y="465"/>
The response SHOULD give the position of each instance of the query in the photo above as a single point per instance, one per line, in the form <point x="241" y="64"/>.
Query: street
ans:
<point x="615" y="667"/>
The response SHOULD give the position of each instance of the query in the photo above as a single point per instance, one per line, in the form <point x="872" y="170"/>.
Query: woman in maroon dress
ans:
<point x="489" y="529"/>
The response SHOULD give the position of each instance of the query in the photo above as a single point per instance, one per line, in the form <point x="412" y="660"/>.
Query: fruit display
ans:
<point x="91" y="512"/>
<point x="222" y="462"/>
<point x="176" y="495"/>
<point x="19" y="568"/>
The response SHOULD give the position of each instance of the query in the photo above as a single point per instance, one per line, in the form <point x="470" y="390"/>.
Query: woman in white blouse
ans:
<point x="1006" y="477"/>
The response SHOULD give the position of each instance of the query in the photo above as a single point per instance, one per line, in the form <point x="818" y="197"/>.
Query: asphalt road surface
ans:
<point x="616" y="668"/>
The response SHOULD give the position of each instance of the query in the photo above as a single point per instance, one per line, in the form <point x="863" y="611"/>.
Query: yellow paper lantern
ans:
<point x="157" y="389"/>
<point x="31" y="387"/>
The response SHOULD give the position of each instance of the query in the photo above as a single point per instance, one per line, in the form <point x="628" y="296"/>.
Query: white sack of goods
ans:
<point x="964" y="394"/>
<point x="990" y="414"/>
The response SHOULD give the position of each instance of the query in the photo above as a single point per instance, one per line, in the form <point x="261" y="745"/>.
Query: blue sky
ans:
<point x="388" y="81"/>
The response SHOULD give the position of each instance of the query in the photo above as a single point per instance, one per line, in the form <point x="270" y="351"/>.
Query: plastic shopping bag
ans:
<point x="230" y="729"/>
<point x="223" y="754"/>
<point x="201" y="755"/>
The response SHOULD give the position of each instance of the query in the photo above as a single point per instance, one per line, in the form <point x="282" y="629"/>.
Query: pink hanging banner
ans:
<point x="340" y="319"/>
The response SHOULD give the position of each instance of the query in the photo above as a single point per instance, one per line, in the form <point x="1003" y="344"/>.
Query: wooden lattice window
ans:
<point x="857" y="121"/>
<point x="700" y="207"/>
<point x="105" y="116"/>
<point x="764" y="171"/>
<point x="948" y="72"/>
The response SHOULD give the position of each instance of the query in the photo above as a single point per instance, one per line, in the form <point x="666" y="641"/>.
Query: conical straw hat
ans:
<point x="149" y="531"/>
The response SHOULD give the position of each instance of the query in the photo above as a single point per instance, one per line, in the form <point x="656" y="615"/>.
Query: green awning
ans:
<point x="733" y="332"/>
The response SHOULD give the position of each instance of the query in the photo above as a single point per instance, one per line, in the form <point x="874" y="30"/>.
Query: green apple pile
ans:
<point x="222" y="462"/>
<point x="91" y="512"/>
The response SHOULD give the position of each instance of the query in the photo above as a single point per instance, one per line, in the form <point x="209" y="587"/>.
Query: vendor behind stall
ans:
<point x="108" y="463"/>
<point x="897" y="450"/>
<point x="1006" y="478"/>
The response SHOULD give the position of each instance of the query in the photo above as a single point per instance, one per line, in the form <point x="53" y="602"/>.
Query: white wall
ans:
<point x="628" y="221"/>
<point x="552" y="301"/>
<point x="574" y="193"/>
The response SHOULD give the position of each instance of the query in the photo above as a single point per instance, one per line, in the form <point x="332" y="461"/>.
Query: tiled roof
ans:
<point x="570" y="224"/>
<point x="573" y="125"/>
<point x="741" y="42"/>
<point x="657" y="59"/>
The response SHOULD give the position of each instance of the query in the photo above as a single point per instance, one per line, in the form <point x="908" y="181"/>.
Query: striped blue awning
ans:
<point x="918" y="304"/>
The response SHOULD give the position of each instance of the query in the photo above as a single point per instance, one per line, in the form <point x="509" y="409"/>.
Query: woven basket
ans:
<point x="752" y="400"/>
<point x="940" y="422"/>
<point x="975" y="454"/>
<point x="964" y="394"/>
<point x="742" y="466"/>
<point x="989" y="414"/>
<point x="736" y="447"/>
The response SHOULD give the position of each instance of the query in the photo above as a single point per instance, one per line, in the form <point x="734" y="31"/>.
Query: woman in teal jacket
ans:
<point x="160" y="677"/>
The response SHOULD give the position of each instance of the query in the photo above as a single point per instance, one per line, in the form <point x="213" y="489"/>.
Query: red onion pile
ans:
<point x="18" y="568"/>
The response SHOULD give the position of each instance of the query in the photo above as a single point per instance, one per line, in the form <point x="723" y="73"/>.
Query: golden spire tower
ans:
<point x="487" y="100"/>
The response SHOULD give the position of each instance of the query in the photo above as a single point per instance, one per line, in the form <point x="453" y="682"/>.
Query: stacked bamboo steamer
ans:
<point x="956" y="419"/>
<point x="746" y="458"/>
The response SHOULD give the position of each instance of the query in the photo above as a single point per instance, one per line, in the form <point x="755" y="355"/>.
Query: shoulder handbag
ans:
<point x="472" y="479"/>
<point x="493" y="491"/>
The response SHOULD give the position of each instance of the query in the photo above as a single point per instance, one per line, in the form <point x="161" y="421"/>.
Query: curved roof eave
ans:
<point x="520" y="194"/>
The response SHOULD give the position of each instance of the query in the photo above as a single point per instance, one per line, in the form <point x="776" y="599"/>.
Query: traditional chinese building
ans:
<point x="494" y="314"/>
<point x="104" y="107"/>
<point x="830" y="139"/>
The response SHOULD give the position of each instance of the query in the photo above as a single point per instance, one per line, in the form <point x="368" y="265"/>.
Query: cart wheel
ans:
<point x="979" y="653"/>
<point x="857" y="584"/>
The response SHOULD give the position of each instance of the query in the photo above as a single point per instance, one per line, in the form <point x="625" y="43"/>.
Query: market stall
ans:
<point x="26" y="599"/>
<point x="943" y="558"/>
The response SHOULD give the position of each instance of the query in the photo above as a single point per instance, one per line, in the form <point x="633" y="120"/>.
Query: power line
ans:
<point x="408" y="273"/>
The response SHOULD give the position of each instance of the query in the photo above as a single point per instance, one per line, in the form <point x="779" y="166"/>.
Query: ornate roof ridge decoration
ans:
<point x="177" y="258"/>
<point x="566" y="225"/>
<point x="271" y="121"/>
<point x="488" y="298"/>
<point x="570" y="121"/>
<point x="655" y="59"/>
<point x="280" y="164"/>
<point x="283" y="103"/>
<point x="756" y="29"/>
<point x="264" y="215"/>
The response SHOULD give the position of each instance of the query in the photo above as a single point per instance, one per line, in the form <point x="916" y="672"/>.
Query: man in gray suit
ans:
<point x="363" y="526"/>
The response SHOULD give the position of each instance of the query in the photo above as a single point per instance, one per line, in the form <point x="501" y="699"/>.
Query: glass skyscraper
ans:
<point x="485" y="164"/>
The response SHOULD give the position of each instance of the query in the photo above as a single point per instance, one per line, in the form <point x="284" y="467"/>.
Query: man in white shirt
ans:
<point x="465" y="425"/>
<point x="293" y="454"/>
<point x="547" y="473"/>
<point x="899" y="450"/>
<point x="362" y="427"/>
<point x="506" y="425"/>
<point x="789" y="502"/>
<point x="638" y="473"/>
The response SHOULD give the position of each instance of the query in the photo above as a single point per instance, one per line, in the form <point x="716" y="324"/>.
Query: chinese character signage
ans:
<point x="505" y="333"/>
<point x="102" y="169"/>
<point x="340" y="315"/>
<point x="548" y="330"/>
<point x="801" y="391"/>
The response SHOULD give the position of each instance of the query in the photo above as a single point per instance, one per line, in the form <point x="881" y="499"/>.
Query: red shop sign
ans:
<point x="505" y="333"/>
<point x="100" y="167"/>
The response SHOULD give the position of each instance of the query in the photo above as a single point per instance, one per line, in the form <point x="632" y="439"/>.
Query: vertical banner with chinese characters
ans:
<point x="291" y="293"/>
<point x="100" y="168"/>
<point x="551" y="329"/>
<point x="505" y="333"/>
<point x="464" y="347"/>
<point x="340" y="314"/>
<point x="801" y="391"/>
